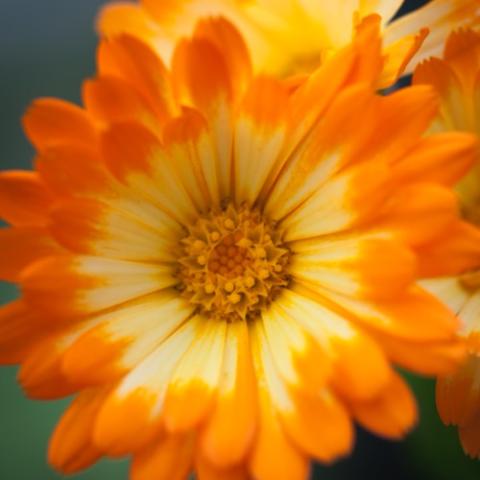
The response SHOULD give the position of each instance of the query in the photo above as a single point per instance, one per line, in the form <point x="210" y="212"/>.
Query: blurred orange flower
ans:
<point x="224" y="268"/>
<point x="456" y="78"/>
<point x="289" y="37"/>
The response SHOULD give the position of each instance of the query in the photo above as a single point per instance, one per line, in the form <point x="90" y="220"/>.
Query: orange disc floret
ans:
<point x="229" y="263"/>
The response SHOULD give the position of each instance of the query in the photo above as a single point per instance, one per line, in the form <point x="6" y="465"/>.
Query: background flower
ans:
<point x="291" y="37"/>
<point x="456" y="79"/>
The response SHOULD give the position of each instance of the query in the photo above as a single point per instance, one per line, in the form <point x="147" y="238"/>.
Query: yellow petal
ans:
<point x="230" y="429"/>
<point x="140" y="396"/>
<point x="194" y="383"/>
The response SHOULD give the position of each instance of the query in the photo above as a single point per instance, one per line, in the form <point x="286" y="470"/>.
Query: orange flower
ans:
<point x="223" y="269"/>
<point x="288" y="37"/>
<point x="456" y="78"/>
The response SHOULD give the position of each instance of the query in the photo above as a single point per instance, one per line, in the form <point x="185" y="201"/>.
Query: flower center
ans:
<point x="233" y="263"/>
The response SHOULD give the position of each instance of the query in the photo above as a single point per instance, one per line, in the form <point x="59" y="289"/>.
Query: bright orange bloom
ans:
<point x="291" y="36"/>
<point x="225" y="269"/>
<point x="457" y="80"/>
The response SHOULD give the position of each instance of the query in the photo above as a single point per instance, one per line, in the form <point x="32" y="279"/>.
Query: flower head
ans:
<point x="456" y="79"/>
<point x="224" y="268"/>
<point x="291" y="37"/>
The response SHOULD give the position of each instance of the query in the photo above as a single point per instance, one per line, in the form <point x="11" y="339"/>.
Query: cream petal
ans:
<point x="194" y="383"/>
<point x="117" y="341"/>
<point x="139" y="398"/>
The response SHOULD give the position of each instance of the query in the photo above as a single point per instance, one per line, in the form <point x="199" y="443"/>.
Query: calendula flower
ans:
<point x="290" y="37"/>
<point x="456" y="78"/>
<point x="223" y="268"/>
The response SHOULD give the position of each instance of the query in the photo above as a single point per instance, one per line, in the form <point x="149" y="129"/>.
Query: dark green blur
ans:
<point x="47" y="47"/>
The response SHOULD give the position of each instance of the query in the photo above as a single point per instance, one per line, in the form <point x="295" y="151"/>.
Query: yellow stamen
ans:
<point x="242" y="249"/>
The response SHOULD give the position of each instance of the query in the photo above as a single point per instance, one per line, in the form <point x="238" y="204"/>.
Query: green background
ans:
<point x="46" y="48"/>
